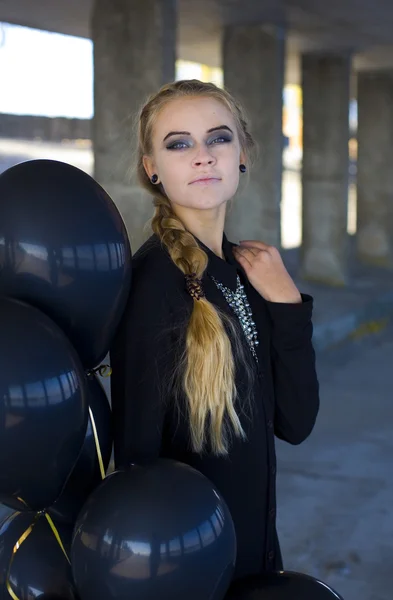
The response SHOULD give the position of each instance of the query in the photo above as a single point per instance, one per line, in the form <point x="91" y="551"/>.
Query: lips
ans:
<point x="204" y="179"/>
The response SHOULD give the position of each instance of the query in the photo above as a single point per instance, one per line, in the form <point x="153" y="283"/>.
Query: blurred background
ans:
<point x="316" y="80"/>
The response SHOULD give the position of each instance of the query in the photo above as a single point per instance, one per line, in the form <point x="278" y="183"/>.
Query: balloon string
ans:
<point x="103" y="370"/>
<point x="21" y="500"/>
<point x="97" y="443"/>
<point x="57" y="535"/>
<point x="24" y="537"/>
<point x="8" y="583"/>
<point x="15" y="549"/>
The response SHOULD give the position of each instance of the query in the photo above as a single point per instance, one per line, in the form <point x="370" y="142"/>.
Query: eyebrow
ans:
<point x="219" y="128"/>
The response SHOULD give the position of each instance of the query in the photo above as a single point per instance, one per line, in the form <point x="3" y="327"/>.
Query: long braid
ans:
<point x="208" y="358"/>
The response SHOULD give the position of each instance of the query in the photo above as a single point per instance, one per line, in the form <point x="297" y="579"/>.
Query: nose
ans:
<point x="203" y="158"/>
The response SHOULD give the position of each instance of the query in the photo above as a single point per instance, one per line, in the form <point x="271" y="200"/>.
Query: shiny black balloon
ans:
<point x="64" y="249"/>
<point x="283" y="585"/>
<point x="86" y="475"/>
<point x="158" y="531"/>
<point x="39" y="568"/>
<point x="43" y="407"/>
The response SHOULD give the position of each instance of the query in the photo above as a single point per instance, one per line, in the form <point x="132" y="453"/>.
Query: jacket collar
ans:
<point x="225" y="271"/>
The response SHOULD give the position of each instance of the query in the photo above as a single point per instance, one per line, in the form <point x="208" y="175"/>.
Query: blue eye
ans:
<point x="221" y="140"/>
<point x="177" y="146"/>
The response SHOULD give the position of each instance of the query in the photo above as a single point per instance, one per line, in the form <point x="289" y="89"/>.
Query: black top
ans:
<point x="284" y="398"/>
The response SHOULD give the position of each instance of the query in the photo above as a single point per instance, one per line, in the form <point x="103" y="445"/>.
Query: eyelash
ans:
<point x="175" y="145"/>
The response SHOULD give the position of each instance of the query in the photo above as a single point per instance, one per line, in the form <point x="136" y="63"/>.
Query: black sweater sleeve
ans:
<point x="140" y="356"/>
<point x="294" y="373"/>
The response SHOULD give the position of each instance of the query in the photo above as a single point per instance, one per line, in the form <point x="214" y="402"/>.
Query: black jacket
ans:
<point x="283" y="401"/>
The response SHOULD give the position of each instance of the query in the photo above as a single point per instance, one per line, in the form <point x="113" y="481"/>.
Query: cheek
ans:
<point x="173" y="175"/>
<point x="228" y="162"/>
<point x="172" y="165"/>
<point x="173" y="171"/>
<point x="170" y="172"/>
<point x="233" y="179"/>
<point x="228" y="157"/>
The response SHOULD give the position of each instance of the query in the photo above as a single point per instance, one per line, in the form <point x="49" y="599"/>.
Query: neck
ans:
<point x="206" y="225"/>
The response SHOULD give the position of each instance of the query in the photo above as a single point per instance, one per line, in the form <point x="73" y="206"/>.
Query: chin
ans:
<point x="207" y="205"/>
<point x="202" y="201"/>
<point x="207" y="200"/>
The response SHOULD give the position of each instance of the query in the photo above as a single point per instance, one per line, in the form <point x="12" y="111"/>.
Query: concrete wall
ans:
<point x="45" y="128"/>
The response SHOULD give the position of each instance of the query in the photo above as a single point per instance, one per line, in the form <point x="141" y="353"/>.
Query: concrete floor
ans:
<point x="335" y="491"/>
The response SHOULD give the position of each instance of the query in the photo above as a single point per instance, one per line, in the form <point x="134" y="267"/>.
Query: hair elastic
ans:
<point x="194" y="286"/>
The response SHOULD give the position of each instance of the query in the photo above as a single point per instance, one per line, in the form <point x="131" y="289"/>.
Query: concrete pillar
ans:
<point x="375" y="169"/>
<point x="326" y="82"/>
<point x="253" y="60"/>
<point x="134" y="54"/>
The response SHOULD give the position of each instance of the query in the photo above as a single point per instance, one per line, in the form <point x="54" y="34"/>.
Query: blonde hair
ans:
<point x="207" y="365"/>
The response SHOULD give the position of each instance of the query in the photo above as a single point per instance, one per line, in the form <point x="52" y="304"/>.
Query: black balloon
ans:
<point x="43" y="407"/>
<point x="157" y="531"/>
<point x="39" y="568"/>
<point x="86" y="474"/>
<point x="283" y="585"/>
<point x="64" y="249"/>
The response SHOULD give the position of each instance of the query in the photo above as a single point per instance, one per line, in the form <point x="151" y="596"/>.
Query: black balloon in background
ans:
<point x="39" y="568"/>
<point x="157" y="531"/>
<point x="43" y="407"/>
<point x="64" y="249"/>
<point x="283" y="585"/>
<point x="86" y="475"/>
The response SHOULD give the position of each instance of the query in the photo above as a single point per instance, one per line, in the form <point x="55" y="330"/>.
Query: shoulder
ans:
<point x="157" y="284"/>
<point x="152" y="267"/>
<point x="151" y="252"/>
<point x="155" y="277"/>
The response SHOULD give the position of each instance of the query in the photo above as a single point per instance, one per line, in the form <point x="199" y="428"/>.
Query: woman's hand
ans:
<point x="266" y="272"/>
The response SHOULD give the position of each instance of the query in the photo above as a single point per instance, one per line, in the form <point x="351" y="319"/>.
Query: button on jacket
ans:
<point x="282" y="399"/>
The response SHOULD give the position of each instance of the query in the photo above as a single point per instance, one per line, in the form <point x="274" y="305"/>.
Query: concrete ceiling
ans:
<point x="363" y="27"/>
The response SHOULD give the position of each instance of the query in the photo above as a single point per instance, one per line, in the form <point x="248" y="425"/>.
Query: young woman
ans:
<point x="214" y="356"/>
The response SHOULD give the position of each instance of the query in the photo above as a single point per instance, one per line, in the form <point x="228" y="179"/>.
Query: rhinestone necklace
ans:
<point x="238" y="302"/>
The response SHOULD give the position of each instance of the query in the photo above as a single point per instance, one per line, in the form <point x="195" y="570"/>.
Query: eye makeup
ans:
<point x="179" y="145"/>
<point x="221" y="136"/>
<point x="220" y="139"/>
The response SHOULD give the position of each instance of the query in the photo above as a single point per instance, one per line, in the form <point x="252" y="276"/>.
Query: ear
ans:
<point x="149" y="166"/>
